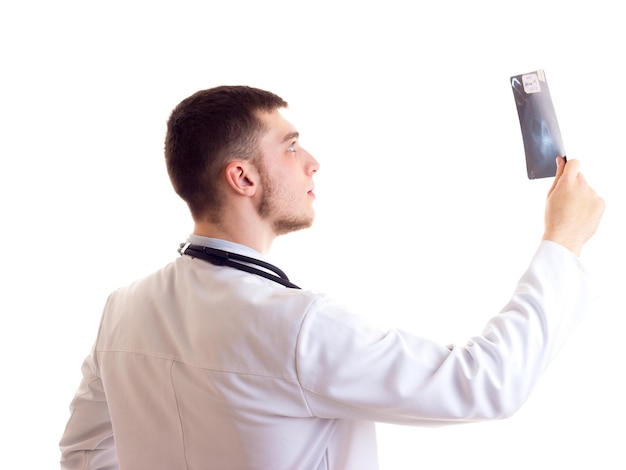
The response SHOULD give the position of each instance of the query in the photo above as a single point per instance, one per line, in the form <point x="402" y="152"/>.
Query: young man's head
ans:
<point x="233" y="140"/>
<point x="204" y="132"/>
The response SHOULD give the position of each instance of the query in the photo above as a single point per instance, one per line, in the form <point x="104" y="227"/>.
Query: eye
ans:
<point x="292" y="147"/>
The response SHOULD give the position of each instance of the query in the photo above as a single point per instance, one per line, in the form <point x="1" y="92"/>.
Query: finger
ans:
<point x="560" y="168"/>
<point x="571" y="170"/>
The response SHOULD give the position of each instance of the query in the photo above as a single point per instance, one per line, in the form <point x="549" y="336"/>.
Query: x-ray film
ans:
<point x="540" y="128"/>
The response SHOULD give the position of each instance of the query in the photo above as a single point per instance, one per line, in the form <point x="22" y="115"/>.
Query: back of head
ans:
<point x="204" y="132"/>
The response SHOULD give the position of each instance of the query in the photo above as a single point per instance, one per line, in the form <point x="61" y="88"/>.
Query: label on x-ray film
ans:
<point x="530" y="81"/>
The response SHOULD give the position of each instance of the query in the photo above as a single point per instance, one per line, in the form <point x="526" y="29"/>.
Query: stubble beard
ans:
<point x="269" y="207"/>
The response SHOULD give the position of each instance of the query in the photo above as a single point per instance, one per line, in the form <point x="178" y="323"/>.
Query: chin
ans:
<point x="282" y="227"/>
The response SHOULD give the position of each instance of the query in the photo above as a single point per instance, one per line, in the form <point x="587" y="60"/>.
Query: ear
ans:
<point x="241" y="177"/>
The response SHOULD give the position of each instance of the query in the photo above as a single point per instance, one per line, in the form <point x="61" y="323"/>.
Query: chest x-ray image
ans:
<point x="540" y="128"/>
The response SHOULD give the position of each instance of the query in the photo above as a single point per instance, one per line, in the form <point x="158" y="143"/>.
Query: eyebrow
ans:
<point x="291" y="136"/>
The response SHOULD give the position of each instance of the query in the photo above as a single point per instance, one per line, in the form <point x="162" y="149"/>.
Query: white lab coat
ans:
<point x="205" y="367"/>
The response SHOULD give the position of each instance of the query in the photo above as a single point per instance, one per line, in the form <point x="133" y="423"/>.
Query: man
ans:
<point x="218" y="361"/>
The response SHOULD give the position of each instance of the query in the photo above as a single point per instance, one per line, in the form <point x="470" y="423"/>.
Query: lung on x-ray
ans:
<point x="540" y="128"/>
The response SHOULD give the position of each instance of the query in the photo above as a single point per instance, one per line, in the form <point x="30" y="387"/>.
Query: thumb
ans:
<point x="560" y="168"/>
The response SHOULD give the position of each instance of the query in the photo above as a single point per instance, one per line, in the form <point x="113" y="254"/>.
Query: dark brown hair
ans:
<point x="205" y="132"/>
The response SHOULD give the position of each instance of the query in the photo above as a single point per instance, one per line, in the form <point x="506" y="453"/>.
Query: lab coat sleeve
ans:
<point x="350" y="369"/>
<point x="88" y="442"/>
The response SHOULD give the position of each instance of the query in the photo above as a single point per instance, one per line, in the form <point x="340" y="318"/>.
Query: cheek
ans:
<point x="289" y="194"/>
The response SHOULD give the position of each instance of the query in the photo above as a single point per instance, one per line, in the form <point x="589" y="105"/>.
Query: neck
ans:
<point x="253" y="237"/>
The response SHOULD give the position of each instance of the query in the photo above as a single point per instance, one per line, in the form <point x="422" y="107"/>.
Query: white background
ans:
<point x="425" y="216"/>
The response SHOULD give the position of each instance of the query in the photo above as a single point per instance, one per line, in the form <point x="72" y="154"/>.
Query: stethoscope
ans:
<point x="228" y="258"/>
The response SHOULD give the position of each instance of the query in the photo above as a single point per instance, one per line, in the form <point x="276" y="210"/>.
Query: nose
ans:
<point x="313" y="165"/>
